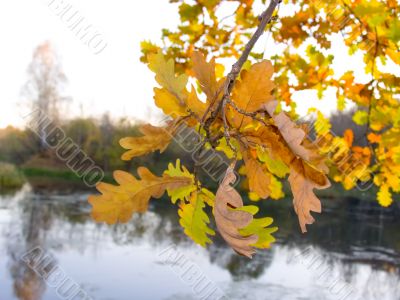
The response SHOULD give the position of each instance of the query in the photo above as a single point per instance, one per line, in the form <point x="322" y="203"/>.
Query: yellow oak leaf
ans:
<point x="254" y="87"/>
<point x="275" y="165"/>
<point x="360" y="117"/>
<point x="393" y="181"/>
<point x="394" y="55"/>
<point x="155" y="138"/>
<point x="208" y="197"/>
<point x="165" y="76"/>
<point x="180" y="193"/>
<point x="321" y="124"/>
<point x="118" y="203"/>
<point x="169" y="103"/>
<point x="195" y="105"/>
<point x="224" y="147"/>
<point x="194" y="219"/>
<point x="276" y="190"/>
<point x="385" y="196"/>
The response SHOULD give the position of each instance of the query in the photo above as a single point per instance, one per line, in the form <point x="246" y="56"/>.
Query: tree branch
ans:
<point x="265" y="17"/>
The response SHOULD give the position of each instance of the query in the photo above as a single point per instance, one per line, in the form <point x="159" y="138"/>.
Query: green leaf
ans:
<point x="183" y="192"/>
<point x="360" y="117"/>
<point x="274" y="165"/>
<point x="194" y="220"/>
<point x="258" y="227"/>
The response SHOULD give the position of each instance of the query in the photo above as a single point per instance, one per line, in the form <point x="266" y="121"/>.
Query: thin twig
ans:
<point x="252" y="115"/>
<point x="266" y="17"/>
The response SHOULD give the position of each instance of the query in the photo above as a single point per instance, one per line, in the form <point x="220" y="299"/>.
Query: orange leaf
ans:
<point x="374" y="138"/>
<point x="118" y="203"/>
<point x="348" y="137"/>
<point x="155" y="138"/>
<point x="255" y="87"/>
<point x="259" y="181"/>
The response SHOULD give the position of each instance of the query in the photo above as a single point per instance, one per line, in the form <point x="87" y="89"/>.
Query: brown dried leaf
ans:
<point x="303" y="180"/>
<point x="229" y="221"/>
<point x="307" y="169"/>
<point x="292" y="134"/>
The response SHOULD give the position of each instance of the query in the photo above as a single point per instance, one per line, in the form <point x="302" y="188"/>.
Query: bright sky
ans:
<point x="114" y="80"/>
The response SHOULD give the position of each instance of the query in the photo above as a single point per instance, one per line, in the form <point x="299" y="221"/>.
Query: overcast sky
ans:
<point x="113" y="80"/>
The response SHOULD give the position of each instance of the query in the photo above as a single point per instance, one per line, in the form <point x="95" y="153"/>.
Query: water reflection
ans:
<point x="355" y="244"/>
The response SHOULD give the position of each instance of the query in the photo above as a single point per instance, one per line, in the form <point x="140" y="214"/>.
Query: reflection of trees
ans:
<point x="347" y="226"/>
<point x="26" y="233"/>
<point x="345" y="238"/>
<point x="158" y="227"/>
<point x="339" y="235"/>
<point x="240" y="267"/>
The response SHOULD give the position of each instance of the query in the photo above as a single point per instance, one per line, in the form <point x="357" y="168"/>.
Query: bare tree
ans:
<point x="45" y="86"/>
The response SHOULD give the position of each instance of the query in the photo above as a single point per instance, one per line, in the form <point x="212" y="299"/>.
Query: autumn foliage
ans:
<point x="249" y="114"/>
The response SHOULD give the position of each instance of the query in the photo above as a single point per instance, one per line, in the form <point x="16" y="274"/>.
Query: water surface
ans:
<point x="352" y="252"/>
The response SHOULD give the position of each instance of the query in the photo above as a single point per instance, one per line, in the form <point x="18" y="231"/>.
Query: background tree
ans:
<point x="45" y="87"/>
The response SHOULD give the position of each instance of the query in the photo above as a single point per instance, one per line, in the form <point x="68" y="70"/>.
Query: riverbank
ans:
<point x="10" y="176"/>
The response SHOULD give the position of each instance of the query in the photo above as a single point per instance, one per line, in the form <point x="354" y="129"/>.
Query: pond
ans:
<point x="351" y="252"/>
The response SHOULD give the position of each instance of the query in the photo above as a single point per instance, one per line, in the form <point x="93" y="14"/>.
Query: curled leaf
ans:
<point x="292" y="134"/>
<point x="235" y="222"/>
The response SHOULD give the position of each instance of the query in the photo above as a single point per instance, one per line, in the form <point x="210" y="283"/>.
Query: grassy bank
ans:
<point x="10" y="176"/>
<point x="50" y="179"/>
<point x="47" y="173"/>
